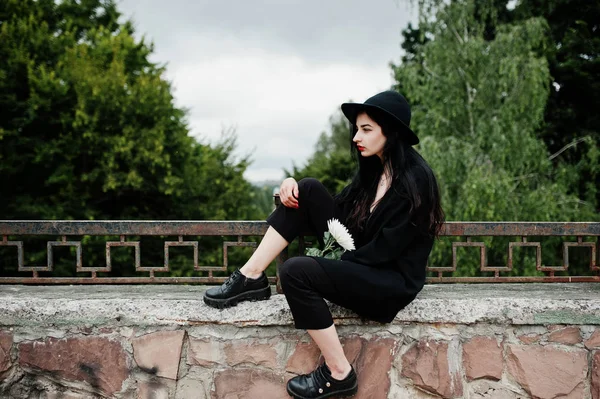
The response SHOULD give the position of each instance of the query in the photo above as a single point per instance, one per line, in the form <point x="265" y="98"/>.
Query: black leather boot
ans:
<point x="238" y="288"/>
<point x="320" y="385"/>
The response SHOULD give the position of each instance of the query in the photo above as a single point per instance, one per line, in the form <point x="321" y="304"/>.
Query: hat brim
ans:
<point x="351" y="110"/>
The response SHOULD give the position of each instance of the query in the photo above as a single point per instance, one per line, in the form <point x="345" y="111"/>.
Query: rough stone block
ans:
<point x="191" y="387"/>
<point x="482" y="358"/>
<point x="204" y="352"/>
<point x="250" y="352"/>
<point x="593" y="341"/>
<point x="554" y="327"/>
<point x="577" y="393"/>
<point x="373" y="368"/>
<point x="65" y="395"/>
<point x="6" y="341"/>
<point x="595" y="386"/>
<point x="547" y="372"/>
<point x="569" y="336"/>
<point x="98" y="361"/>
<point x="248" y="384"/>
<point x="484" y="389"/>
<point x="159" y="353"/>
<point x="408" y="392"/>
<point x="530" y="338"/>
<point x="304" y="359"/>
<point x="352" y="348"/>
<point x="426" y="364"/>
<point x="154" y="389"/>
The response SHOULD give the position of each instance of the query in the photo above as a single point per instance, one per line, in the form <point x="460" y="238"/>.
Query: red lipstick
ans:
<point x="360" y="148"/>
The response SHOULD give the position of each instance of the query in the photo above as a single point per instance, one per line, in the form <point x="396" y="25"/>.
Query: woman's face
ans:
<point x="369" y="137"/>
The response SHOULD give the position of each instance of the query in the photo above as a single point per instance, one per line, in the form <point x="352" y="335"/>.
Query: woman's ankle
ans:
<point x="250" y="273"/>
<point x="340" y="371"/>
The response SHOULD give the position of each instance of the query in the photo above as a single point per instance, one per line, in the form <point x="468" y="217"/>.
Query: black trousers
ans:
<point x="304" y="281"/>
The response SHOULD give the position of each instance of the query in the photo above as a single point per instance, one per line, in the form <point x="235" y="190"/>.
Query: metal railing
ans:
<point x="523" y="230"/>
<point x="125" y="229"/>
<point x="185" y="230"/>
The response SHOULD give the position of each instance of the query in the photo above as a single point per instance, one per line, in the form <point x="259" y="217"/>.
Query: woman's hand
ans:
<point x="288" y="193"/>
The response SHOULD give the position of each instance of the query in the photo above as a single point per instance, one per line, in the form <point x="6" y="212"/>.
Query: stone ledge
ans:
<point x="154" y="305"/>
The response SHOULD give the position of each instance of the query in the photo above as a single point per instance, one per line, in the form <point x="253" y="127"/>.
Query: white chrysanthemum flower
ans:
<point x="341" y="234"/>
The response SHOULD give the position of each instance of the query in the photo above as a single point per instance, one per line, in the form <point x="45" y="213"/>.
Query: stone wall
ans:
<point x="509" y="341"/>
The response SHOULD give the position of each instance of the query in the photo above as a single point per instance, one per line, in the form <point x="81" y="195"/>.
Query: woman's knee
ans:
<point x="295" y="269"/>
<point x="313" y="192"/>
<point x="309" y="183"/>
<point x="286" y="270"/>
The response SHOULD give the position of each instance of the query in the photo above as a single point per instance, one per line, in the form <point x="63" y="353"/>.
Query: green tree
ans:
<point x="89" y="129"/>
<point x="89" y="124"/>
<point x="477" y="105"/>
<point x="571" y="126"/>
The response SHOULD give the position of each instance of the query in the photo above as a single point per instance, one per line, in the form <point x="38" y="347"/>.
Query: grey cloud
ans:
<point x="356" y="31"/>
<point x="223" y="58"/>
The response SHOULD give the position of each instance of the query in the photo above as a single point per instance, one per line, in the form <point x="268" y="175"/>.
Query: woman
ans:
<point x="391" y="208"/>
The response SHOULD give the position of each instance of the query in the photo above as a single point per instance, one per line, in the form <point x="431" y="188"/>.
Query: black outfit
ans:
<point x="377" y="280"/>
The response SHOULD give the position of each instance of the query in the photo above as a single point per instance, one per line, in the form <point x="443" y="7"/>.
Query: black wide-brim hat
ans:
<point x="393" y="105"/>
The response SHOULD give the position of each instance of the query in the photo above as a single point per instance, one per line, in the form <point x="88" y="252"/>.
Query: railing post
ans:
<point x="283" y="255"/>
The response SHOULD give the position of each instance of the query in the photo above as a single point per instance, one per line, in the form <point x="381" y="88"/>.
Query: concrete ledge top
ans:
<point x="145" y="305"/>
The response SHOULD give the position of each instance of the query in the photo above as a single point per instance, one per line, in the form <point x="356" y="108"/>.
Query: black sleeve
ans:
<point x="340" y="196"/>
<point x="389" y="242"/>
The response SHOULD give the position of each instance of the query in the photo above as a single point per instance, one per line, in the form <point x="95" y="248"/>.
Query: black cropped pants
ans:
<point x="304" y="281"/>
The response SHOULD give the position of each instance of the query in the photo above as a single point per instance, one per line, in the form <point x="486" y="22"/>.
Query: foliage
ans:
<point x="571" y="126"/>
<point x="89" y="130"/>
<point x="477" y="106"/>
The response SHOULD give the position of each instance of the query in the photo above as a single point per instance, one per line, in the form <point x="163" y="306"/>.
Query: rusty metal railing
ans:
<point x="467" y="230"/>
<point x="65" y="230"/>
<point x="124" y="229"/>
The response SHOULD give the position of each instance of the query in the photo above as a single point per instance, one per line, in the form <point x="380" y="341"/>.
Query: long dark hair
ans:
<point x="412" y="178"/>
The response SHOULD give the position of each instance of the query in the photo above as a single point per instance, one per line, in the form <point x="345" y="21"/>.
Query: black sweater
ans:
<point x="387" y="269"/>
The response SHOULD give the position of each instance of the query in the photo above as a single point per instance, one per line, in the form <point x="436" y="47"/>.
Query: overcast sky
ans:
<point x="275" y="70"/>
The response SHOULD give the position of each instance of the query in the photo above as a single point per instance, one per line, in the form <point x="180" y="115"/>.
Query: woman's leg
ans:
<point x="316" y="207"/>
<point x="331" y="348"/>
<point x="270" y="246"/>
<point x="304" y="283"/>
